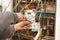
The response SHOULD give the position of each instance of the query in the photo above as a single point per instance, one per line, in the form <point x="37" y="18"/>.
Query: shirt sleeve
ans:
<point x="6" y="28"/>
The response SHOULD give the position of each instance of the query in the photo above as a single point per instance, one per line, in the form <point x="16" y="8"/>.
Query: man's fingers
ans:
<point x="25" y="27"/>
<point x="26" y="22"/>
<point x="22" y="25"/>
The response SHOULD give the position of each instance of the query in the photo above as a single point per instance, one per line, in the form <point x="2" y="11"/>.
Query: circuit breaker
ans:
<point x="31" y="15"/>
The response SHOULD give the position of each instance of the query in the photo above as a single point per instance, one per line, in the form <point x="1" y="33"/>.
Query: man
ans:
<point x="8" y="24"/>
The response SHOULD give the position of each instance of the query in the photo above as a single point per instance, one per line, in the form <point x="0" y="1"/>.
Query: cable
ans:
<point x="22" y="7"/>
<point x="38" y="34"/>
<point x="26" y="6"/>
<point x="16" y="5"/>
<point x="39" y="29"/>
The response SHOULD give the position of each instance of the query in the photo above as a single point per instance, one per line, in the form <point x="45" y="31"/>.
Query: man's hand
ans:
<point x="21" y="17"/>
<point x="22" y="25"/>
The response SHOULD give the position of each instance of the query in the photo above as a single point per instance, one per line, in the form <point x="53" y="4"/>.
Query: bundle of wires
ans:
<point x="38" y="34"/>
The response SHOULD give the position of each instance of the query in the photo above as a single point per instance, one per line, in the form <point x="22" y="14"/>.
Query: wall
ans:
<point x="57" y="32"/>
<point x="7" y="5"/>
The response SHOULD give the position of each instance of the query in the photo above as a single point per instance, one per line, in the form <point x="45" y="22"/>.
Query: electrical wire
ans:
<point x="25" y="6"/>
<point x="39" y="29"/>
<point x="38" y="34"/>
<point x="44" y="10"/>
<point x="16" y="5"/>
<point x="22" y="7"/>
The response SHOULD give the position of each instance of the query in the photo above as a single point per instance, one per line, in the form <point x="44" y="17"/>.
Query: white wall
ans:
<point x="7" y="4"/>
<point x="0" y="2"/>
<point x="57" y="32"/>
